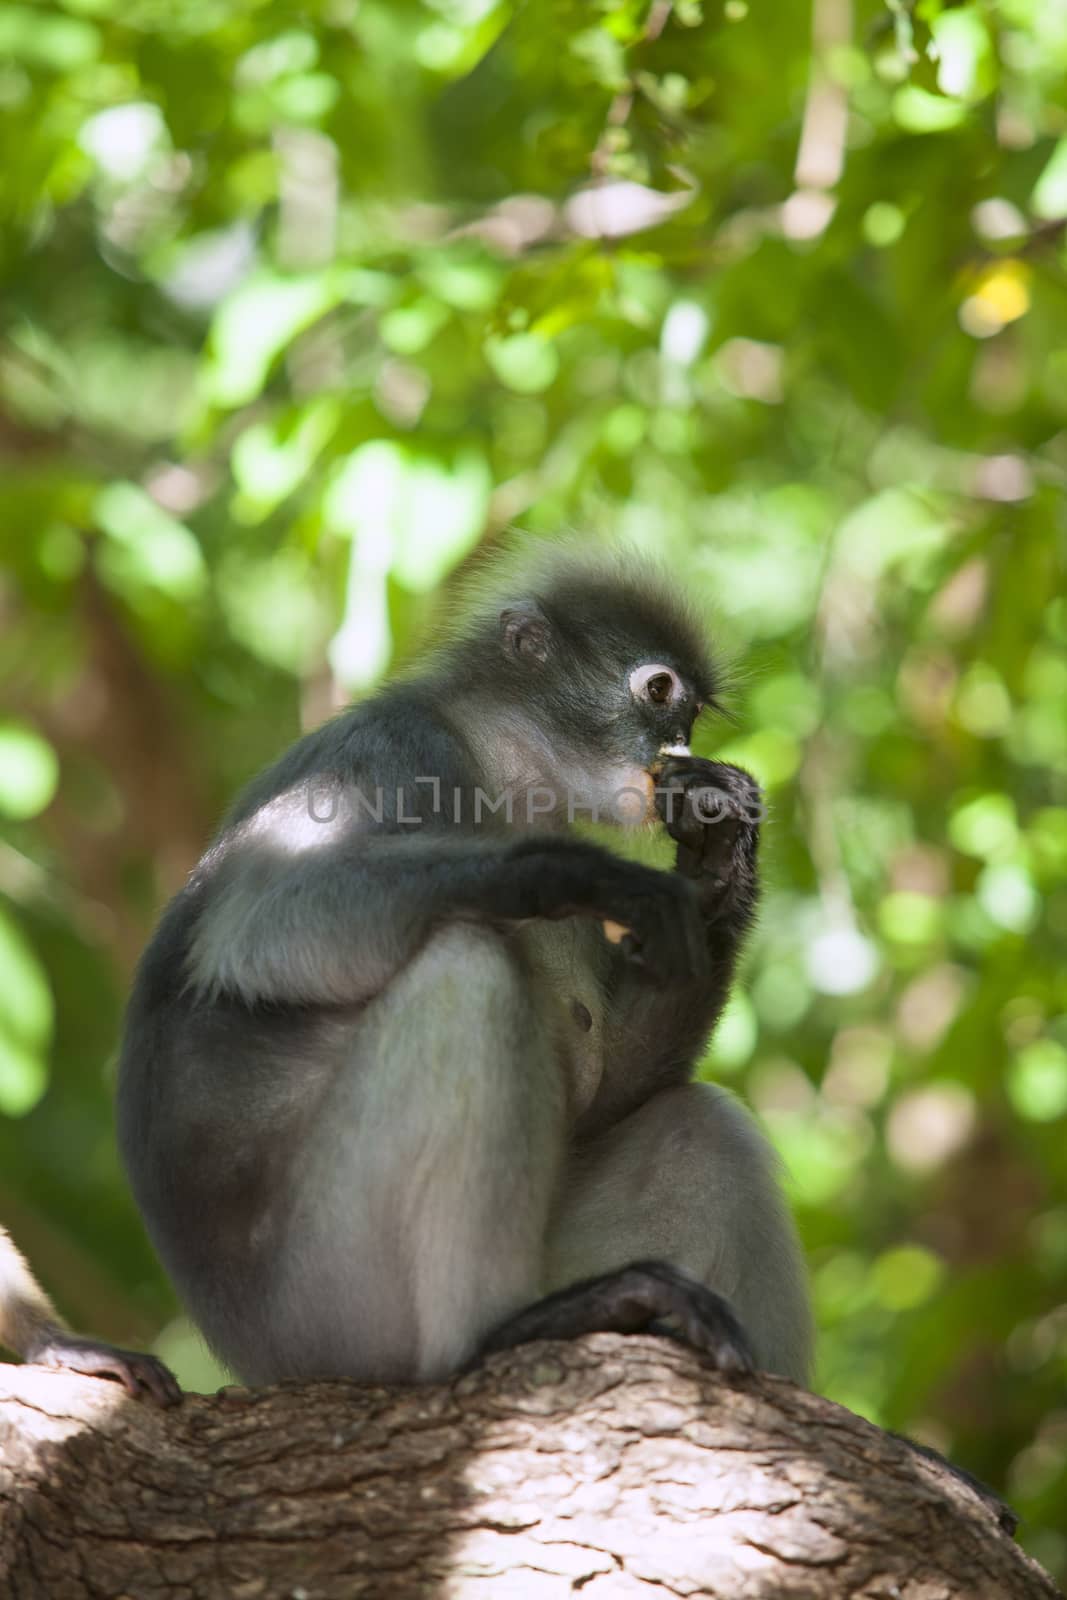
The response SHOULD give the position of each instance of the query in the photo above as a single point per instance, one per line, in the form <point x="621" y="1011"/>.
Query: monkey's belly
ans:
<point x="561" y="955"/>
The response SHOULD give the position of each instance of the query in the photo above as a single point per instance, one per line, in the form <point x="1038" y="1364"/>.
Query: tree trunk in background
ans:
<point x="610" y="1467"/>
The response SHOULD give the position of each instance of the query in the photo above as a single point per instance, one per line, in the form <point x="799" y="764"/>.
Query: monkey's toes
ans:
<point x="695" y="1315"/>
<point x="139" y="1374"/>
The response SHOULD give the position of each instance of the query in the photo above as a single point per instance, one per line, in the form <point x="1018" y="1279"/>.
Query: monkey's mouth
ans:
<point x="665" y="753"/>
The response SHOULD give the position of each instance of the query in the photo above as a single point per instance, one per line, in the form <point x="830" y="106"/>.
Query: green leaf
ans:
<point x="1037" y="1081"/>
<point x="145" y="547"/>
<point x="965" y="64"/>
<point x="524" y="362"/>
<point x="895" y="528"/>
<point x="985" y="826"/>
<point x="918" y="111"/>
<point x="29" y="771"/>
<point x="1049" y="197"/>
<point x="906" y="1276"/>
<point x="42" y="39"/>
<point x="256" y="323"/>
<point x="422" y="513"/>
<point x="26" y="1018"/>
<point x="271" y="459"/>
<point x="735" y="1035"/>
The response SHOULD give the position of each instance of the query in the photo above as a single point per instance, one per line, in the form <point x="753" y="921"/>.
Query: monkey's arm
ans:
<point x="30" y="1326"/>
<point x="335" y="923"/>
<point x="655" y="1032"/>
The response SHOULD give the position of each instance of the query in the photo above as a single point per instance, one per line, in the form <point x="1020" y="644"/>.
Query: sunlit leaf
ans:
<point x="23" y="1074"/>
<point x="984" y="826"/>
<point x="26" y="1014"/>
<point x="820" y="1156"/>
<point x="145" y="547"/>
<point x="29" y="771"/>
<point x="272" y="608"/>
<point x="271" y="459"/>
<point x="1049" y="197"/>
<point x="964" y="52"/>
<point x="469" y="284"/>
<point x="918" y="111"/>
<point x="910" y="918"/>
<point x="735" y="1036"/>
<point x="123" y="139"/>
<point x="183" y="1349"/>
<point x="408" y="329"/>
<point x="1037" y="1081"/>
<point x="524" y="362"/>
<point x="44" y="39"/>
<point x="422" y="512"/>
<point x="1007" y="895"/>
<point x="255" y="323"/>
<point x="896" y="527"/>
<point x="906" y="1276"/>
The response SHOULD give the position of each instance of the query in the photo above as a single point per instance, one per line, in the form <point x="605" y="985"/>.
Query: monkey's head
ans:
<point x="596" y="671"/>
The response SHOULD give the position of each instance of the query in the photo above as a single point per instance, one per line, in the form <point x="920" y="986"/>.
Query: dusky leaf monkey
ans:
<point x="31" y="1327"/>
<point x="407" y="1071"/>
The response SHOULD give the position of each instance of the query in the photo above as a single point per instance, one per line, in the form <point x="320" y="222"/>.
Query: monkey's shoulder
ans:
<point x="361" y="758"/>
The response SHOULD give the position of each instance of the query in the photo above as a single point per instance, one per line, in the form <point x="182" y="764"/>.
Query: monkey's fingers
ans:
<point x="627" y="943"/>
<point x="156" y="1380"/>
<point x="139" y="1374"/>
<point x="652" y="917"/>
<point x="707" y="1323"/>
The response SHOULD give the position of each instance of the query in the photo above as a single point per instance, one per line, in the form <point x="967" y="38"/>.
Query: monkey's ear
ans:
<point x="524" y="631"/>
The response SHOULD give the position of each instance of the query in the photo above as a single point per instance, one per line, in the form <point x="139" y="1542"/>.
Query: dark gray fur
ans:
<point x="384" y="1087"/>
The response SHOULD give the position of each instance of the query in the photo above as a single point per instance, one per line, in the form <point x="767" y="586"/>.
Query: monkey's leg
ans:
<point x="425" y="1186"/>
<point x="686" y="1180"/>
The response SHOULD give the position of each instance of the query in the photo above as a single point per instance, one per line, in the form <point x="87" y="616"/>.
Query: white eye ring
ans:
<point x="642" y="680"/>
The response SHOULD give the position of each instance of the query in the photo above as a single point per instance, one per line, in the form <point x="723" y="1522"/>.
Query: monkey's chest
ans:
<point x="562" y="956"/>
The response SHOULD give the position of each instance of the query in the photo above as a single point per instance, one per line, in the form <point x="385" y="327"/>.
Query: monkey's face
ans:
<point x="656" y="723"/>
<point x="622" y="724"/>
<point x="604" y="696"/>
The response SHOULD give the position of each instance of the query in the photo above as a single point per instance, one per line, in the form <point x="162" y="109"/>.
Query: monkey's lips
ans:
<point x="665" y="753"/>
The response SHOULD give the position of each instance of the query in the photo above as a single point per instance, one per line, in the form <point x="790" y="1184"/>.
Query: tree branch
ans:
<point x="615" y="1467"/>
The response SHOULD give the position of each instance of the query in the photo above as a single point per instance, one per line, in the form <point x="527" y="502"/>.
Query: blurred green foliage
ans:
<point x="301" y="305"/>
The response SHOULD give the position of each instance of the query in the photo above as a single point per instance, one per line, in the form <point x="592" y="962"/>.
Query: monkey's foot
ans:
<point x="139" y="1374"/>
<point x="636" y="1299"/>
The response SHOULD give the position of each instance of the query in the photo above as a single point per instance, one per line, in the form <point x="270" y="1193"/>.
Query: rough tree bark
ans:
<point x="615" y="1467"/>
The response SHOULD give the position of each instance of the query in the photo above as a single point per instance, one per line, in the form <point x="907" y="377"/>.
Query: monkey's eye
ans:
<point x="656" y="683"/>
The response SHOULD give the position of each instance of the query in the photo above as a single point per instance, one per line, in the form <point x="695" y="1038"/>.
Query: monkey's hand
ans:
<point x="139" y="1374"/>
<point x="657" y="913"/>
<point x="645" y="1297"/>
<point x="712" y="811"/>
